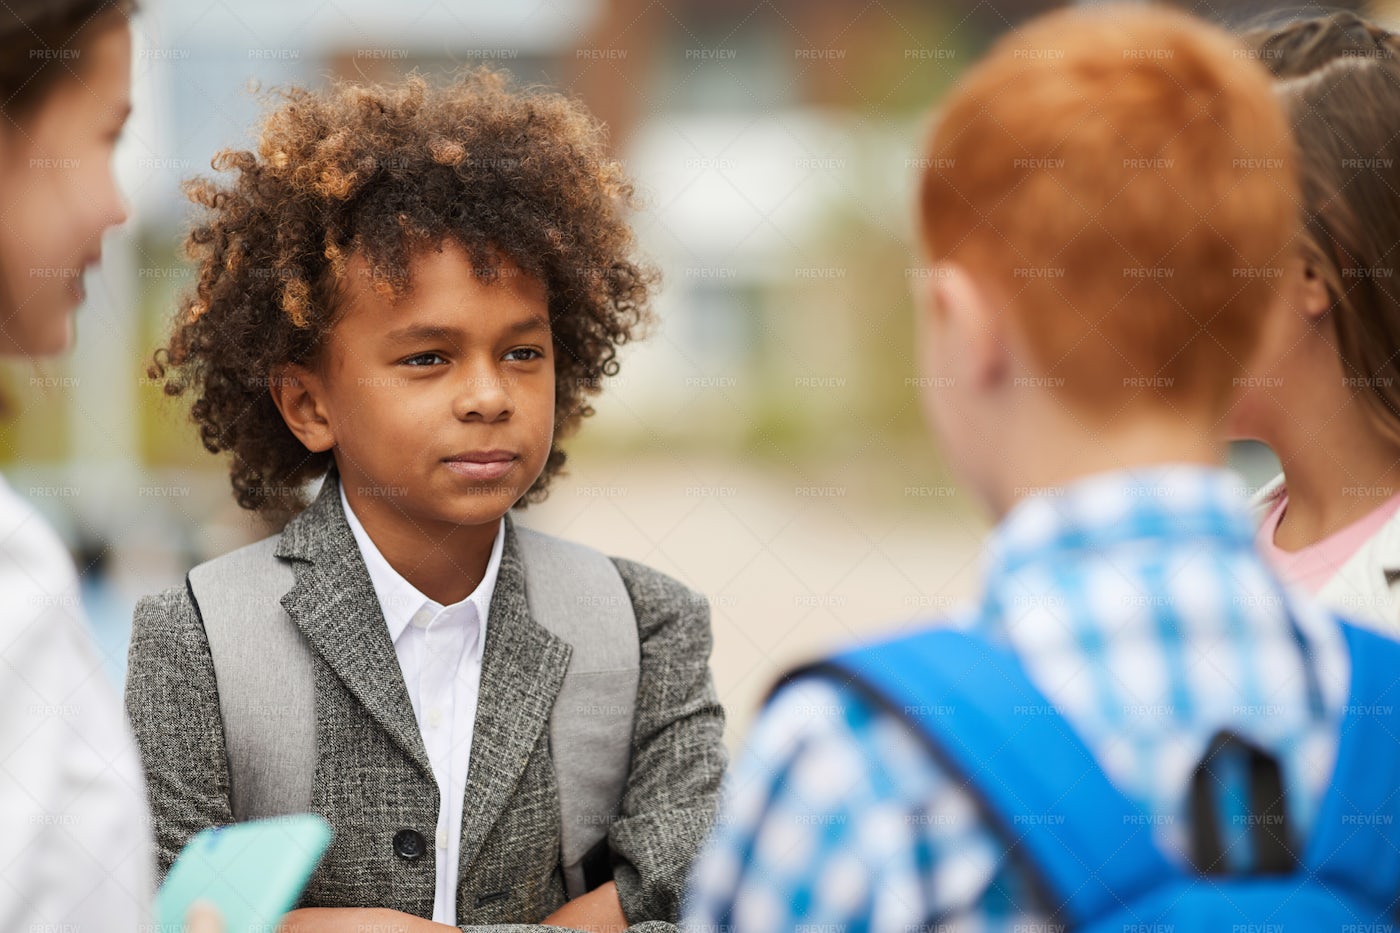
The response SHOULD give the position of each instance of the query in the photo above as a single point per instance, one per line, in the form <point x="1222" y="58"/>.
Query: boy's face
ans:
<point x="439" y="406"/>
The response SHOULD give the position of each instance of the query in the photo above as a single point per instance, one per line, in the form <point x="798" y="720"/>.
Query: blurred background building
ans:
<point x="764" y="446"/>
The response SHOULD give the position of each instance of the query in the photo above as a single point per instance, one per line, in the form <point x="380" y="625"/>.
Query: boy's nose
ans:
<point x="483" y="395"/>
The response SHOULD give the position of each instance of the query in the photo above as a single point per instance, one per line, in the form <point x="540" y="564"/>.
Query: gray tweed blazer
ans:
<point x="372" y="775"/>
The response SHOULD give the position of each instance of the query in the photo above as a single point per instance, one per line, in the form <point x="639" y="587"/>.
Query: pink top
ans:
<point x="1312" y="567"/>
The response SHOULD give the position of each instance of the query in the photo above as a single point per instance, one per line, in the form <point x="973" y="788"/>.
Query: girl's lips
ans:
<point x="481" y="469"/>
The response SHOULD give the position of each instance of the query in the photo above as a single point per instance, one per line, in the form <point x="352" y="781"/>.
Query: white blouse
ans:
<point x="75" y="829"/>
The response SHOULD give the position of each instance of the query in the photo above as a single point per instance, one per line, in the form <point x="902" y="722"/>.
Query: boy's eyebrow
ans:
<point x="413" y="332"/>
<point x="528" y="326"/>
<point x="422" y="332"/>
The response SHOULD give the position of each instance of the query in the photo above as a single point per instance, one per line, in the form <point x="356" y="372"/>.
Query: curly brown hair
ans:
<point x="383" y="171"/>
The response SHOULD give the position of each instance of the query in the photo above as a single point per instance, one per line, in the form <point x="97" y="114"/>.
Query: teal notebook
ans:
<point x="252" y="872"/>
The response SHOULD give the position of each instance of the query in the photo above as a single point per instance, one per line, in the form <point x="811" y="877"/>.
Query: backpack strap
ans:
<point x="577" y="593"/>
<point x="1254" y="795"/>
<point x="1355" y="842"/>
<point x="1085" y="844"/>
<point x="263" y="666"/>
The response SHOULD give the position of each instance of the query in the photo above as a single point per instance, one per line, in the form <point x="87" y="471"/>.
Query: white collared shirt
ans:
<point x="75" y="830"/>
<point x="439" y="650"/>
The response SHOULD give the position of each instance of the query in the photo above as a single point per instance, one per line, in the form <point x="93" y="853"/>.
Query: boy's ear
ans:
<point x="299" y="396"/>
<point x="963" y="314"/>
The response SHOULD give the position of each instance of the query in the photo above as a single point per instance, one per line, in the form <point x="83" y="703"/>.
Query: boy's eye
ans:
<point x="424" y="359"/>
<point x="524" y="354"/>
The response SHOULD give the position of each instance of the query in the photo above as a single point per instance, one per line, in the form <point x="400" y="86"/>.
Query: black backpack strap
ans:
<point x="1266" y="810"/>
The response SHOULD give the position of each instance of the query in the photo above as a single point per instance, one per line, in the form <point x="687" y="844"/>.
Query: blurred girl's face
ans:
<point x="58" y="193"/>
<point x="1295" y="348"/>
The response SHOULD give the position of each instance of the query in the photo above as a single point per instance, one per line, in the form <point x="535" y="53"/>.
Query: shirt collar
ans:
<point x="1169" y="504"/>
<point x="400" y="600"/>
<point x="1163" y="500"/>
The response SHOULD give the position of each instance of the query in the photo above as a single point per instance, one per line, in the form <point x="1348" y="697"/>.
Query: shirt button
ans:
<point x="421" y="618"/>
<point x="434" y="717"/>
<point x="442" y="838"/>
<point x="409" y="844"/>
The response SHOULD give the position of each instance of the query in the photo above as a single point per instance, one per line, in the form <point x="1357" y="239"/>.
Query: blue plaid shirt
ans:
<point x="1138" y="606"/>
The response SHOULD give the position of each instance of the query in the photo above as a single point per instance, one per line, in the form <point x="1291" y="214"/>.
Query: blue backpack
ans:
<point x="1088" y="849"/>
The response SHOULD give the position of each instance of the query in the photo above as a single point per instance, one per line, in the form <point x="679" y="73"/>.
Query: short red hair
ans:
<point x="1123" y="178"/>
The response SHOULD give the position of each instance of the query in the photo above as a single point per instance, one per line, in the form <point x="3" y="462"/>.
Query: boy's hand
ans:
<point x="357" y="919"/>
<point x="598" y="911"/>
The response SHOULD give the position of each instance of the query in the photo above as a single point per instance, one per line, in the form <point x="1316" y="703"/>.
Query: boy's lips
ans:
<point x="482" y="464"/>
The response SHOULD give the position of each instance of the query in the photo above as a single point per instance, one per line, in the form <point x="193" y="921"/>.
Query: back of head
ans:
<point x="1121" y="179"/>
<point x="1339" y="79"/>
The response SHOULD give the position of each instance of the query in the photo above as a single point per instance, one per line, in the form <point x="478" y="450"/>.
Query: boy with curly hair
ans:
<point x="410" y="293"/>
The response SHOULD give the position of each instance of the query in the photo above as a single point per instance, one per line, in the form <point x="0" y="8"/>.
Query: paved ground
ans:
<point x="789" y="569"/>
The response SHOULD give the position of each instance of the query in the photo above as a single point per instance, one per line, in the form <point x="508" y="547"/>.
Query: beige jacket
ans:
<point x="1364" y="590"/>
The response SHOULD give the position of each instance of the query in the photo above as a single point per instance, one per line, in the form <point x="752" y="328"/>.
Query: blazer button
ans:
<point x="409" y="844"/>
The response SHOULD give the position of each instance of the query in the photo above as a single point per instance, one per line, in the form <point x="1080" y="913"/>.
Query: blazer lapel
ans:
<point x="334" y="604"/>
<point x="523" y="666"/>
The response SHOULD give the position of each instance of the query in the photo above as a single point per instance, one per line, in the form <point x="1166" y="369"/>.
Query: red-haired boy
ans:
<point x="1107" y="200"/>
